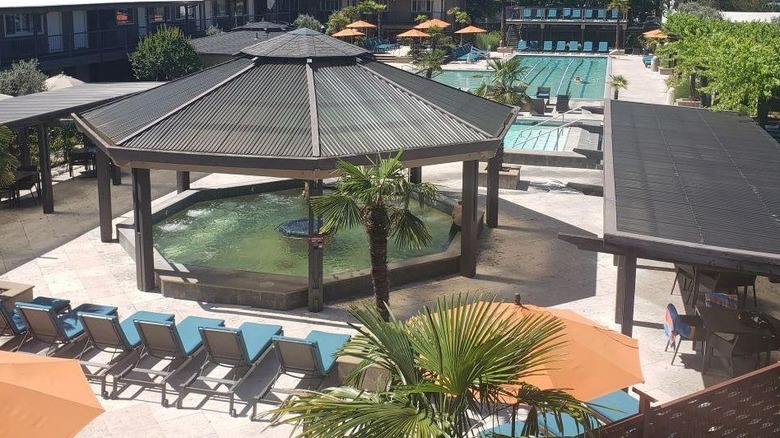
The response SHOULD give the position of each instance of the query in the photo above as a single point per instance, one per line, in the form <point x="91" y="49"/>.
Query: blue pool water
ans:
<point x="526" y="135"/>
<point x="556" y="72"/>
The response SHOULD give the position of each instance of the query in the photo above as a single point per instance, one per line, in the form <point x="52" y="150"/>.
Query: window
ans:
<point x="239" y="7"/>
<point x="182" y="12"/>
<point x="330" y="5"/>
<point x="422" y="5"/>
<point x="156" y="15"/>
<point x="125" y="16"/>
<point x="221" y="8"/>
<point x="22" y="24"/>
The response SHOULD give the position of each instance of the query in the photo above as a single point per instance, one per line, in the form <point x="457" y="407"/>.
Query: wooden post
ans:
<point x="626" y="291"/>
<point x="44" y="160"/>
<point x="142" y="214"/>
<point x="104" y="196"/>
<point x="315" y="253"/>
<point x="24" y="146"/>
<point x="116" y="174"/>
<point x="415" y="175"/>
<point x="182" y="181"/>
<point x="491" y="210"/>
<point x="468" y="238"/>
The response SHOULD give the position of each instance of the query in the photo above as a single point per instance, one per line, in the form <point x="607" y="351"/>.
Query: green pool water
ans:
<point x="241" y="233"/>
<point x="556" y="72"/>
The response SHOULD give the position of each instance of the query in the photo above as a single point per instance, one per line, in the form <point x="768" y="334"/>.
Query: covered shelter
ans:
<point x="688" y="186"/>
<point x="215" y="49"/>
<point x="40" y="110"/>
<point x="292" y="107"/>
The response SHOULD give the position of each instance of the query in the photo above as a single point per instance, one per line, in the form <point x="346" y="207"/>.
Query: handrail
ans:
<point x="561" y="115"/>
<point x="548" y="132"/>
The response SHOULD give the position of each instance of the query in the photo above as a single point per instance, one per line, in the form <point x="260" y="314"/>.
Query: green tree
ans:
<point x="458" y="358"/>
<point x="307" y="21"/>
<point x="8" y="162"/>
<point x="340" y="19"/>
<point x="371" y="8"/>
<point x="488" y="41"/>
<point x="421" y="18"/>
<point x="617" y="82"/>
<point x="378" y="198"/>
<point x="164" y="55"/>
<point x="622" y="7"/>
<point x="24" y="77"/>
<point x="461" y="17"/>
<point x="507" y="86"/>
<point x="699" y="10"/>
<point x="430" y="61"/>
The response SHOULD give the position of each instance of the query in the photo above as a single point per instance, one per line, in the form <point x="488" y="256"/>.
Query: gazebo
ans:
<point x="291" y="107"/>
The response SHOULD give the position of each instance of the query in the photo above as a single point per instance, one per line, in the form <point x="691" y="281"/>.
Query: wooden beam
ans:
<point x="142" y="214"/>
<point x="182" y="181"/>
<point x="104" y="196"/>
<point x="44" y="160"/>
<point x="316" y="269"/>
<point x="626" y="292"/>
<point x="24" y="146"/>
<point x="116" y="174"/>
<point x="415" y="175"/>
<point x="469" y="226"/>
<point x="494" y="166"/>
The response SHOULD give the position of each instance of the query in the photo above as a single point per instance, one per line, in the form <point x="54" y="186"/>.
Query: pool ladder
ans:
<point x="557" y="130"/>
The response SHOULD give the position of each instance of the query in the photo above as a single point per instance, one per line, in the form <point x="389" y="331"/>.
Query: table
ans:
<point x="717" y="281"/>
<point x="83" y="156"/>
<point x="717" y="320"/>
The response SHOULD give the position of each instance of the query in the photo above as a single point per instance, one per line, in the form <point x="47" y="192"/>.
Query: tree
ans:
<point x="370" y="7"/>
<point x="700" y="10"/>
<point x="461" y="17"/>
<point x="164" y="55"/>
<point x="430" y="61"/>
<point x="461" y="357"/>
<point x="24" y="77"/>
<point x="307" y="21"/>
<point x="622" y="7"/>
<point x="377" y="197"/>
<point x="8" y="162"/>
<point x="507" y="86"/>
<point x="617" y="82"/>
<point x="340" y="19"/>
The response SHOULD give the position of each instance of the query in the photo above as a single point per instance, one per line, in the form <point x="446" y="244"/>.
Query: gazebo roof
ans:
<point x="294" y="112"/>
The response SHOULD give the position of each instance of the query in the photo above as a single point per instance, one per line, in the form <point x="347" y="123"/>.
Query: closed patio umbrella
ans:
<point x="44" y="396"/>
<point x="61" y="81"/>
<point x="435" y="22"/>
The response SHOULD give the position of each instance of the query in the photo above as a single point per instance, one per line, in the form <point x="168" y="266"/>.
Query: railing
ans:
<point x="408" y="17"/>
<point x="556" y="130"/>
<point x="518" y="13"/>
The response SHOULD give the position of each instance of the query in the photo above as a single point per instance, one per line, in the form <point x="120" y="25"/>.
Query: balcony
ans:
<point x="407" y="18"/>
<point x="517" y="14"/>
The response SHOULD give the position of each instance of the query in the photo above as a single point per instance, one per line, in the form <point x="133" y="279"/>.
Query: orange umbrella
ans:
<point x="44" y="396"/>
<point x="594" y="359"/>
<point x="348" y="33"/>
<point x="655" y="33"/>
<point x="360" y="24"/>
<point x="414" y="33"/>
<point x="432" y="23"/>
<point x="471" y="29"/>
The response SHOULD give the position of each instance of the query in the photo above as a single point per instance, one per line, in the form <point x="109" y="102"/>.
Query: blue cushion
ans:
<point x="570" y="425"/>
<point x="12" y="319"/>
<point x="130" y="331"/>
<point x="70" y="325"/>
<point x="505" y="429"/>
<point x="616" y="406"/>
<point x="327" y="344"/>
<point x="257" y="337"/>
<point x="189" y="333"/>
<point x="97" y="309"/>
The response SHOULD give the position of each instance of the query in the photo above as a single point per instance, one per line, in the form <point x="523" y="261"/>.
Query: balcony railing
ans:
<point x="408" y="17"/>
<point x="578" y="15"/>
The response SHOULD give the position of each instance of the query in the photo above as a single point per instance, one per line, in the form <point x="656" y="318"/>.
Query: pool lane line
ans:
<point x="563" y="76"/>
<point x="552" y="71"/>
<point x="573" y="75"/>
<point x="544" y="67"/>
<point x="587" y="79"/>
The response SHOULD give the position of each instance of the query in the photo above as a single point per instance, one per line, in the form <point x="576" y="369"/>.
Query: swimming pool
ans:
<point x="556" y="72"/>
<point x="526" y="135"/>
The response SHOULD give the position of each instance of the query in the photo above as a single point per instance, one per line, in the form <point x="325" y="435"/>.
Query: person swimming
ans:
<point x="578" y="79"/>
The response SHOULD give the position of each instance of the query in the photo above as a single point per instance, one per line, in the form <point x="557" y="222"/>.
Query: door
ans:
<point x="54" y="31"/>
<point x="80" y="40"/>
<point x="142" y="29"/>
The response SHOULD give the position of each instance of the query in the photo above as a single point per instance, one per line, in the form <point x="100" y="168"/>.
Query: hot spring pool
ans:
<point x="526" y="135"/>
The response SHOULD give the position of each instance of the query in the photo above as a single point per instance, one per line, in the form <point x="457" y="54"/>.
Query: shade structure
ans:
<point x="471" y="29"/>
<point x="44" y="396"/>
<point x="435" y="22"/>
<point x="5" y="96"/>
<point x="61" y="81"/>
<point x="413" y="33"/>
<point x="594" y="360"/>
<point x="655" y="33"/>
<point x="348" y="33"/>
<point x="360" y="24"/>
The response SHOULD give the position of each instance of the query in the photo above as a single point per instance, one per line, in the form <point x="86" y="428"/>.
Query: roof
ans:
<point x="230" y="43"/>
<point x="305" y="43"/>
<point x="264" y="25"/>
<point x="700" y="181"/>
<point x="28" y="4"/>
<point x="749" y="16"/>
<point x="41" y="107"/>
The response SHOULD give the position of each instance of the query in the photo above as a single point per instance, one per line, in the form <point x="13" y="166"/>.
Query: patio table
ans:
<point x="718" y="320"/>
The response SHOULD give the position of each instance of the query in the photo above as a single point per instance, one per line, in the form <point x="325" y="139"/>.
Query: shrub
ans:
<point x="488" y="41"/>
<point x="24" y="77"/>
<point x="213" y="30"/>
<point x="164" y="55"/>
<point x="308" y="22"/>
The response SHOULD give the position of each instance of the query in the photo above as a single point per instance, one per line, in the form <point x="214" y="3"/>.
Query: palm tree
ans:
<point x="377" y="197"/>
<point x="430" y="62"/>
<point x="507" y="86"/>
<point x="8" y="162"/>
<point x="445" y="367"/>
<point x="617" y="82"/>
<point x="621" y="6"/>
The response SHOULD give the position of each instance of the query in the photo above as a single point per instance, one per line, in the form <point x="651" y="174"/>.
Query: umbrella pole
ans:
<point x="513" y="419"/>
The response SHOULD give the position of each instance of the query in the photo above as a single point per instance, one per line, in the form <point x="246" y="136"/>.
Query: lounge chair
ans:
<point x="576" y="14"/>
<point x="177" y="343"/>
<point x="311" y="358"/>
<point x="566" y="13"/>
<point x="587" y="46"/>
<point x="615" y="406"/>
<point x="602" y="14"/>
<point x="45" y="325"/>
<point x="543" y="92"/>
<point x="522" y="46"/>
<point x="552" y="13"/>
<point x="588" y="14"/>
<point x="562" y="103"/>
<point x="574" y="46"/>
<point x="560" y="46"/>
<point x="603" y="47"/>
<point x="539" y="14"/>
<point x="647" y="60"/>
<point x="11" y="319"/>
<point x="527" y="13"/>
<point x="241" y="349"/>
<point x="106" y="333"/>
<point x="548" y="46"/>
<point x="533" y="46"/>
<point x="613" y="14"/>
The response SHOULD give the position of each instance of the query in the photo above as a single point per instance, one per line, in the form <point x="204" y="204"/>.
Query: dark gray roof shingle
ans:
<point x="304" y="43"/>
<point x="231" y="43"/>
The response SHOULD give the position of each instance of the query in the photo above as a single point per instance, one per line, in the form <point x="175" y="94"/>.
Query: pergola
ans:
<point x="291" y="107"/>
<point x="688" y="186"/>
<point x="45" y="108"/>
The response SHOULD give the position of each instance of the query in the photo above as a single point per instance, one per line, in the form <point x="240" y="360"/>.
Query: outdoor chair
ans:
<point x="562" y="103"/>
<point x="241" y="349"/>
<point x="11" y="319"/>
<point x="588" y="14"/>
<point x="176" y="343"/>
<point x="522" y="46"/>
<point x="80" y="157"/>
<point x="602" y="14"/>
<point x="539" y="14"/>
<point x="30" y="182"/>
<point x="527" y="13"/>
<point x="574" y="46"/>
<point x="309" y="358"/>
<point x="576" y="14"/>
<point x="548" y="46"/>
<point x="615" y="406"/>
<point x="538" y="106"/>
<point x="566" y="13"/>
<point x="614" y="14"/>
<point x="106" y="333"/>
<point x="560" y="46"/>
<point x="647" y="60"/>
<point x="45" y="325"/>
<point x="603" y="47"/>
<point x="731" y="346"/>
<point x="587" y="46"/>
<point x="552" y="13"/>
<point x="543" y="92"/>
<point x="534" y="46"/>
<point x="721" y="300"/>
<point x="680" y="328"/>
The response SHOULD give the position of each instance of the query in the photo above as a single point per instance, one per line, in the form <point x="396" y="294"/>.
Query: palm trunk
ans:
<point x="616" y="94"/>
<point x="377" y="226"/>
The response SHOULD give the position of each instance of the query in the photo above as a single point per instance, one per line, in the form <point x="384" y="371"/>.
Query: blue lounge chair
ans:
<point x="613" y="14"/>
<point x="45" y="325"/>
<point x="177" y="343"/>
<point x="576" y="14"/>
<point x="647" y="60"/>
<point x="552" y="13"/>
<point x="603" y="47"/>
<point x="588" y="14"/>
<point x="566" y="13"/>
<point x="615" y="406"/>
<point x="11" y="319"/>
<point x="539" y="14"/>
<point x="522" y="46"/>
<point x="602" y="14"/>
<point x="560" y="46"/>
<point x="527" y="13"/>
<point x="543" y="92"/>
<point x="574" y="46"/>
<point x="240" y="349"/>
<point x="587" y="46"/>
<point x="505" y="430"/>
<point x="309" y="358"/>
<point x="548" y="46"/>
<point x="533" y="46"/>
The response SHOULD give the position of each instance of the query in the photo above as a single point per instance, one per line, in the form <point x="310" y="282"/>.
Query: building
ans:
<point x="538" y="24"/>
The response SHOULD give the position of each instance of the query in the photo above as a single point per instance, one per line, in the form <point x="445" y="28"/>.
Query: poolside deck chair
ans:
<point x="533" y="46"/>
<point x="588" y="14"/>
<point x="618" y="405"/>
<point x="613" y="14"/>
<point x="45" y="325"/>
<point x="587" y="46"/>
<point x="548" y="46"/>
<point x="566" y="13"/>
<point x="106" y="333"/>
<point x="576" y="14"/>
<point x="11" y="320"/>
<point x="522" y="46"/>
<point x="562" y="103"/>
<point x="552" y="13"/>
<point x="574" y="46"/>
<point x="603" y="47"/>
<point x="543" y="92"/>
<point x="527" y="13"/>
<point x="560" y="46"/>
<point x="647" y="60"/>
<point x="602" y="14"/>
<point x="177" y="343"/>
<point x="240" y="349"/>
<point x="311" y="358"/>
<point x="539" y="14"/>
